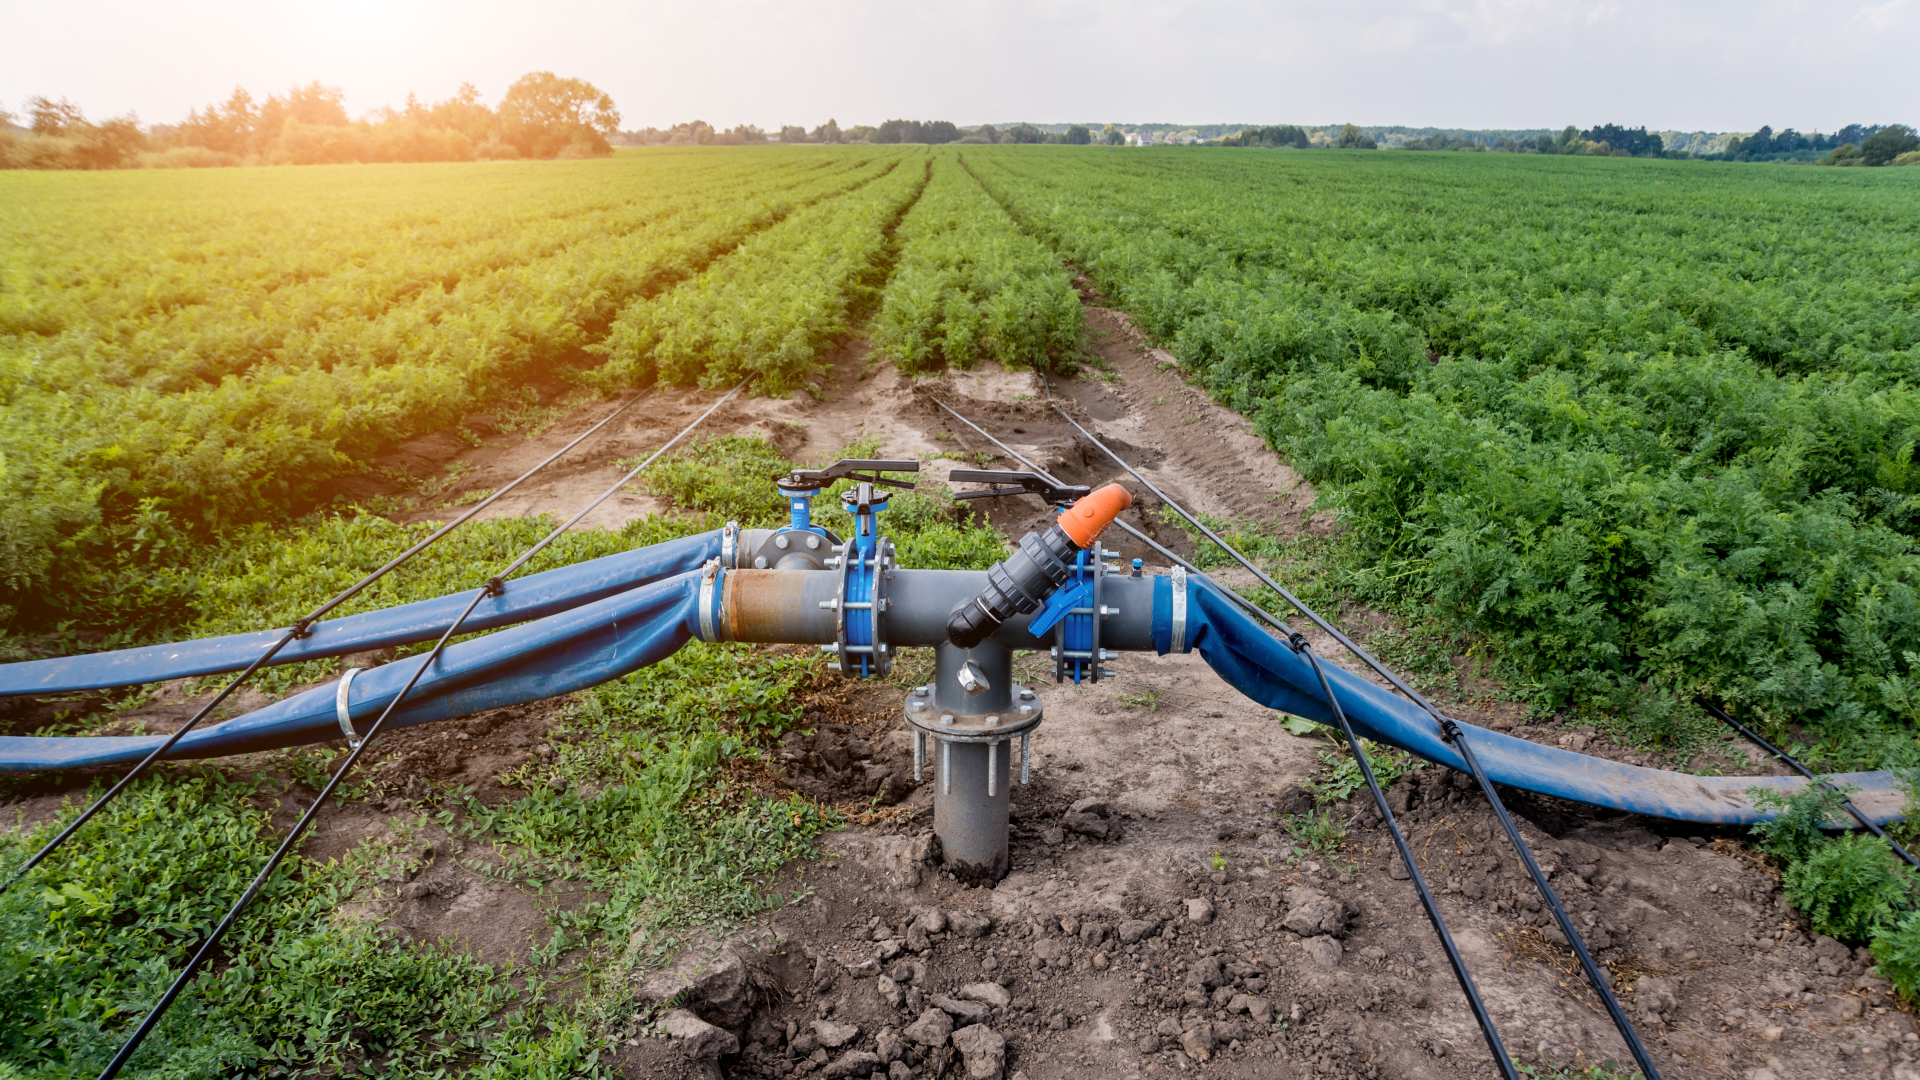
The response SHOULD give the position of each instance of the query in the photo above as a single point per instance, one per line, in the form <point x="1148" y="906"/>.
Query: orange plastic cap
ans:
<point x="1085" y="520"/>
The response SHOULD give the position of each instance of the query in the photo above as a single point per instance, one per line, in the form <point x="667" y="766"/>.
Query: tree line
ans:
<point x="541" y="116"/>
<point x="1855" y="144"/>
<point x="929" y="132"/>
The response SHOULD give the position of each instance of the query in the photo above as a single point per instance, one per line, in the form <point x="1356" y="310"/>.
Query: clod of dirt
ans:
<point x="931" y="1030"/>
<point x="721" y="987"/>
<point x="697" y="1037"/>
<point x="1311" y="912"/>
<point x="1200" y="911"/>
<point x="833" y="1035"/>
<point x="1092" y="817"/>
<point x="963" y="1012"/>
<point x="984" y="1050"/>
<point x="836" y="763"/>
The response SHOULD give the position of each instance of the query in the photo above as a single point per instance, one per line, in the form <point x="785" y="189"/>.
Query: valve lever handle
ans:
<point x="866" y="469"/>
<point x="1024" y="483"/>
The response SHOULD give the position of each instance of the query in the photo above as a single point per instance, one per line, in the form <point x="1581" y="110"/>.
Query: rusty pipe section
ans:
<point x="796" y="607"/>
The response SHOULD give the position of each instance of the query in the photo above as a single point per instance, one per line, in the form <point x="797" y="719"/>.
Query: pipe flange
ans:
<point x="937" y="731"/>
<point x="947" y="725"/>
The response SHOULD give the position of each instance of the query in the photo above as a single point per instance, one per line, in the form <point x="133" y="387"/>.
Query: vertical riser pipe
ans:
<point x="971" y="824"/>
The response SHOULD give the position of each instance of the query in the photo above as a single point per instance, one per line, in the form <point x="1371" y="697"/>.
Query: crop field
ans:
<point x="1625" y="431"/>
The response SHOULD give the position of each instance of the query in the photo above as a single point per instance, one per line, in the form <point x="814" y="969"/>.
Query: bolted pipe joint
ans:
<point x="970" y="742"/>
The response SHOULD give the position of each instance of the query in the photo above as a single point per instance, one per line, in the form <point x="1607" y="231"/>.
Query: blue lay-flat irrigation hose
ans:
<point x="494" y="586"/>
<point x="532" y="597"/>
<point x="273" y="642"/>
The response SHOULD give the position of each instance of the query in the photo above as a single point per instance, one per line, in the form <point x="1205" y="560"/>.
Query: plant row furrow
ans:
<point x="773" y="307"/>
<point x="1648" y="426"/>
<point x="970" y="285"/>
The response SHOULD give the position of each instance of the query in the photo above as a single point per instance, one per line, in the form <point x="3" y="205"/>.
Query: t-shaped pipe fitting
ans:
<point x="1022" y="581"/>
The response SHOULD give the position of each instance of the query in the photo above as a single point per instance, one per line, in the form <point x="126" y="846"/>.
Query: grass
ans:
<point x="645" y="814"/>
<point x="642" y="805"/>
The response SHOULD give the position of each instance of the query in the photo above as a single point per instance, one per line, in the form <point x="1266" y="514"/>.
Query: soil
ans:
<point x="1174" y="925"/>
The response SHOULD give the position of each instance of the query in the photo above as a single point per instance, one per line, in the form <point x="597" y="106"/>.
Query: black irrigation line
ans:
<point x="1455" y="736"/>
<point x="1299" y="644"/>
<point x="301" y="628"/>
<point x="494" y="586"/>
<point x="1454" y="959"/>
<point x="1717" y="712"/>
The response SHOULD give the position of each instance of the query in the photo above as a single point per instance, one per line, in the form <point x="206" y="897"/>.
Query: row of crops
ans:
<point x="1649" y="426"/>
<point x="970" y="285"/>
<point x="180" y="354"/>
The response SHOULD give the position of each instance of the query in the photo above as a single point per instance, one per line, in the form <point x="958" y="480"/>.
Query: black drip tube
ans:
<point x="1299" y="644"/>
<point x="493" y="587"/>
<point x="1459" y="965"/>
<point x="1717" y="712"/>
<point x="1455" y="736"/>
<point x="300" y="629"/>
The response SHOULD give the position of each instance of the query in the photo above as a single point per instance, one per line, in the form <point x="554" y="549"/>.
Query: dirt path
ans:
<point x="1180" y="927"/>
<point x="1103" y="947"/>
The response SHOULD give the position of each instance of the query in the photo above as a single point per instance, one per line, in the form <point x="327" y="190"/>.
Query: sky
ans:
<point x="1685" y="65"/>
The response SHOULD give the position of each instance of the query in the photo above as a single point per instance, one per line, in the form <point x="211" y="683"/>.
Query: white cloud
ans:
<point x="1878" y="18"/>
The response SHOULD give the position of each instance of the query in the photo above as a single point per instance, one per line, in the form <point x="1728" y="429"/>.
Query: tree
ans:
<point x="1025" y="133"/>
<point x="1634" y="141"/>
<point x="1281" y="135"/>
<point x="792" y="133"/>
<point x="828" y="132"/>
<point x="915" y="131"/>
<point x="544" y="114"/>
<point x="52" y="117"/>
<point x="1352" y="139"/>
<point x="696" y="133"/>
<point x="110" y="144"/>
<point x="1889" y="143"/>
<point x="1113" y="136"/>
<point x="1078" y="135"/>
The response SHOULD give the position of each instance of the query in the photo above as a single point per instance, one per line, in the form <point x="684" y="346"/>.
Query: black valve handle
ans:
<point x="1024" y="483"/>
<point x="864" y="469"/>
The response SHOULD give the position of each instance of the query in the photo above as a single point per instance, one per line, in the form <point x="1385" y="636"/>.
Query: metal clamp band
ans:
<point x="1178" y="639"/>
<point x="730" y="545"/>
<point x="340" y="708"/>
<point x="709" y="574"/>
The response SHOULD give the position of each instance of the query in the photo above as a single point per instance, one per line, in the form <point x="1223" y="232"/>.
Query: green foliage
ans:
<point x="1606" y="1070"/>
<point x="1795" y="830"/>
<point x="1896" y="955"/>
<point x="771" y="307"/>
<point x="642" y="814"/>
<point x="633" y="805"/>
<point x="90" y="939"/>
<point x="731" y="477"/>
<point x="1316" y="830"/>
<point x="217" y="347"/>
<point x="728" y="475"/>
<point x="970" y="285"/>
<point x="1563" y="402"/>
<point x="1339" y="776"/>
<point x="1850" y="886"/>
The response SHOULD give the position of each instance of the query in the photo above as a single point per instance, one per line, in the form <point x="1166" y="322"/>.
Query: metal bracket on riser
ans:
<point x="935" y="730"/>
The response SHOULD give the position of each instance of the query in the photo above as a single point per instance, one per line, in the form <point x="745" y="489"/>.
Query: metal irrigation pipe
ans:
<point x="1846" y="804"/>
<point x="1158" y="547"/>
<point x="493" y="587"/>
<point x="301" y="628"/>
<point x="1455" y="736"/>
<point x="1299" y="644"/>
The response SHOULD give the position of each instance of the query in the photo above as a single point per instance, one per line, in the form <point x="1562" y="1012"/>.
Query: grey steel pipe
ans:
<point x="795" y="606"/>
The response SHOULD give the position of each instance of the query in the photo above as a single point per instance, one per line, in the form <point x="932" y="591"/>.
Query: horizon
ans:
<point x="1710" y="67"/>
